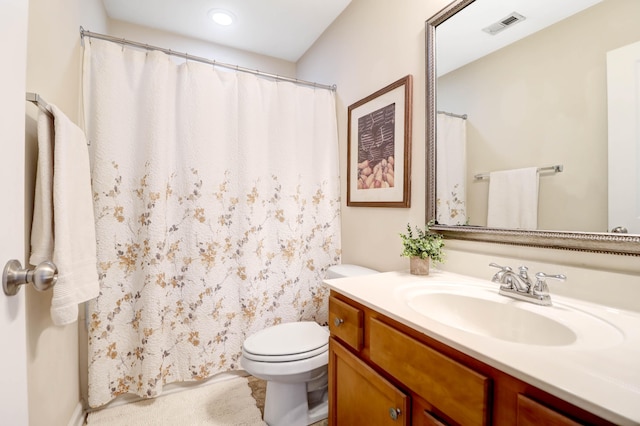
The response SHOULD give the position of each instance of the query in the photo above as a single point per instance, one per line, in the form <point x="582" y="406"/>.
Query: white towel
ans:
<point x="513" y="199"/>
<point x="63" y="228"/>
<point x="42" y="225"/>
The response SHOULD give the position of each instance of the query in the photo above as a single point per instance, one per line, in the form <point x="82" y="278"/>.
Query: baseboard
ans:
<point x="78" y="416"/>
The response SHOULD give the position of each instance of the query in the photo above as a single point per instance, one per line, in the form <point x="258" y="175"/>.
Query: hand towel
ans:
<point x="513" y="199"/>
<point x="63" y="227"/>
<point x="42" y="224"/>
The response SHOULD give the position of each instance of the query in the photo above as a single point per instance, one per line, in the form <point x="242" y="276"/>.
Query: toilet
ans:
<point x="292" y="358"/>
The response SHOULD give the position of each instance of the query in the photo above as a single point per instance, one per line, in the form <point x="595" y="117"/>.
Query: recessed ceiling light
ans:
<point x="222" y="17"/>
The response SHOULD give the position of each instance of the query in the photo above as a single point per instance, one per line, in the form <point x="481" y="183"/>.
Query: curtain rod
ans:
<point x="40" y="103"/>
<point x="463" y="116"/>
<point x="84" y="33"/>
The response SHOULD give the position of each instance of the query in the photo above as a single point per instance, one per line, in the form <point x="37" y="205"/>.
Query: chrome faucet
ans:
<point x="519" y="285"/>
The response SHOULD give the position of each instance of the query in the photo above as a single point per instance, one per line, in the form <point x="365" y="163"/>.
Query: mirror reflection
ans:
<point x="538" y="120"/>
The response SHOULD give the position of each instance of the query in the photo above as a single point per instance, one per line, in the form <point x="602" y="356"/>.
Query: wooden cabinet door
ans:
<point x="360" y="396"/>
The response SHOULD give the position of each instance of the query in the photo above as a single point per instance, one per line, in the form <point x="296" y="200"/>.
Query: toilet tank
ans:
<point x="346" y="270"/>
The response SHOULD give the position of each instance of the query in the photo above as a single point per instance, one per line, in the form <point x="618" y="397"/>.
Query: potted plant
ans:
<point x="422" y="246"/>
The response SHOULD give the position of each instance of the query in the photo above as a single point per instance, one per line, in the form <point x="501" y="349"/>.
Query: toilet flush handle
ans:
<point x="338" y="321"/>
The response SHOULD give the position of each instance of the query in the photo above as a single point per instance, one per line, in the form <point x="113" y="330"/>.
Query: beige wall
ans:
<point x="371" y="45"/>
<point x="201" y="48"/>
<point x="549" y="94"/>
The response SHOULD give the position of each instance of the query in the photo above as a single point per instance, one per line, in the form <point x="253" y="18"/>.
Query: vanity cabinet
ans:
<point x="382" y="372"/>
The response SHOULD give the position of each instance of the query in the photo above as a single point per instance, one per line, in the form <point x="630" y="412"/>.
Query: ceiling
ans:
<point x="283" y="29"/>
<point x="286" y="29"/>
<point x="460" y="40"/>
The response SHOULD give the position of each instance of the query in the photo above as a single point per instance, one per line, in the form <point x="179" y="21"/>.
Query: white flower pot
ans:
<point x="419" y="266"/>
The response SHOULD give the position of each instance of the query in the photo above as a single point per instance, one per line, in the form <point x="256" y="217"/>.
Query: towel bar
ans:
<point x="43" y="276"/>
<point x="40" y="103"/>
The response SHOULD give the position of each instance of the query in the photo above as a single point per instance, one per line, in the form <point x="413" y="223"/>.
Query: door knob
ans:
<point x="43" y="276"/>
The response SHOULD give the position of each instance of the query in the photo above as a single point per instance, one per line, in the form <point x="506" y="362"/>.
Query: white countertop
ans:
<point x="602" y="380"/>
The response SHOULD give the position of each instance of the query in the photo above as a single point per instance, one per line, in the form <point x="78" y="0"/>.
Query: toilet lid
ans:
<point x="294" y="340"/>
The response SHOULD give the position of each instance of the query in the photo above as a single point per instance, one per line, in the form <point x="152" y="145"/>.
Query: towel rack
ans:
<point x="41" y="103"/>
<point x="451" y="114"/>
<point x="553" y="169"/>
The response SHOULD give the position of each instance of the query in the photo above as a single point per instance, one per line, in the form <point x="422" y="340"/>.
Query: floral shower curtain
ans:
<point x="216" y="197"/>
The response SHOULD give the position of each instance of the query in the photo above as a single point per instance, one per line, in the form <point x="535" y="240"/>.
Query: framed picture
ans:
<point x="379" y="148"/>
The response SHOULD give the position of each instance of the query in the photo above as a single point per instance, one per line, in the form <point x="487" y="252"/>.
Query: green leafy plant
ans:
<point x="423" y="243"/>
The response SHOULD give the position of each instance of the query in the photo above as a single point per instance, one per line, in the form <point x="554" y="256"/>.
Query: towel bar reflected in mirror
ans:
<point x="550" y="169"/>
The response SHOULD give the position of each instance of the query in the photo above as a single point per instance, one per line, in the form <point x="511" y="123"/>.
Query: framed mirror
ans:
<point x="535" y="88"/>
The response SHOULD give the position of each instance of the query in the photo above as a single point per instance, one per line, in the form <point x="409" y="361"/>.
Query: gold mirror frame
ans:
<point x="581" y="241"/>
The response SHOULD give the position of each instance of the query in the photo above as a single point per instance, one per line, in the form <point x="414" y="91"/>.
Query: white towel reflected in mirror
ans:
<point x="513" y="199"/>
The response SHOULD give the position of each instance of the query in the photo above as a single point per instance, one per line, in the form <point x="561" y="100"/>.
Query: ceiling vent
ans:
<point x="506" y="22"/>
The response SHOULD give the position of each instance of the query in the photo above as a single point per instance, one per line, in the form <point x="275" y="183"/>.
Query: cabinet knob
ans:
<point x="338" y="321"/>
<point x="394" y="413"/>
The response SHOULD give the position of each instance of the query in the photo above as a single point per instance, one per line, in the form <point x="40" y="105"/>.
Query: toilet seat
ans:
<point x="287" y="371"/>
<point x="287" y="342"/>
<point x="285" y="358"/>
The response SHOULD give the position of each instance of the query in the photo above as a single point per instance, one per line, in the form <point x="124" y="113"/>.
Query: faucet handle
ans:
<point x="497" y="278"/>
<point x="542" y="276"/>
<point x="541" y="283"/>
<point x="502" y="268"/>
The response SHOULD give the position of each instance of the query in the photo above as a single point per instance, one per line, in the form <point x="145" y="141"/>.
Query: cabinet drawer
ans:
<point x="346" y="322"/>
<point x="459" y="392"/>
<point x="422" y="414"/>
<point x="532" y="413"/>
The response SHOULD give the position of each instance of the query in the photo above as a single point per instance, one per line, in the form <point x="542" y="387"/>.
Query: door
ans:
<point x="13" y="358"/>
<point x="623" y="92"/>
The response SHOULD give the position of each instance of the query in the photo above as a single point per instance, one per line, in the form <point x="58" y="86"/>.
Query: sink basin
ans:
<point x="482" y="311"/>
<point x="489" y="318"/>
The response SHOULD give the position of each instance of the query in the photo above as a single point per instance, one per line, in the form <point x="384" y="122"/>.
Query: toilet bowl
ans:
<point x="293" y="358"/>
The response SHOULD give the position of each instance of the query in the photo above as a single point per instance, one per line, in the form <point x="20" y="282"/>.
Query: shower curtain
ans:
<point x="451" y="142"/>
<point x="216" y="197"/>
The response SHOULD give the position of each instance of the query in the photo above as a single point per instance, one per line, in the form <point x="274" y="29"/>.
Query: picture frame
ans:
<point x="379" y="147"/>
